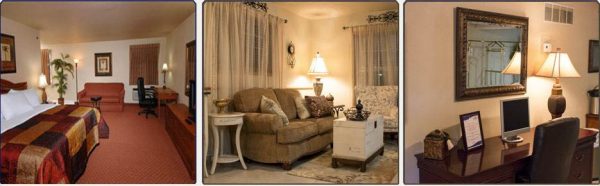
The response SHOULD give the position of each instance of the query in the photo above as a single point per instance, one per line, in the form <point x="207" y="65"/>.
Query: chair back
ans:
<point x="141" y="90"/>
<point x="553" y="148"/>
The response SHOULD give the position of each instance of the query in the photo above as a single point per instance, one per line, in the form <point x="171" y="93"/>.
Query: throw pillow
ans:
<point x="31" y="95"/>
<point x="318" y="106"/>
<point x="301" y="108"/>
<point x="269" y="106"/>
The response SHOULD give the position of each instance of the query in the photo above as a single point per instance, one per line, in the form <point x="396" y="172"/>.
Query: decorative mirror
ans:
<point x="491" y="54"/>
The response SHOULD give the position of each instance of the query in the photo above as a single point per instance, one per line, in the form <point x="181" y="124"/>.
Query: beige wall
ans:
<point x="335" y="46"/>
<point x="27" y="51"/>
<point x="176" y="41"/>
<point x="120" y="63"/>
<point x="429" y="70"/>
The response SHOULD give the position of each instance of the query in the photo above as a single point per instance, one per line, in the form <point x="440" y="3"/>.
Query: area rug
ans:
<point x="382" y="169"/>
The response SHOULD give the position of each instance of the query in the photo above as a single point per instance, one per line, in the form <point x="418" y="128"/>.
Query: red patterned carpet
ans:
<point x="139" y="150"/>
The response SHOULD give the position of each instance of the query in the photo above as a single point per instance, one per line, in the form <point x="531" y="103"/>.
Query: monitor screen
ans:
<point x="515" y="114"/>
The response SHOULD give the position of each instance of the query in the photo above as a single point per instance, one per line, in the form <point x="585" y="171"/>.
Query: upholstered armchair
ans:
<point x="381" y="100"/>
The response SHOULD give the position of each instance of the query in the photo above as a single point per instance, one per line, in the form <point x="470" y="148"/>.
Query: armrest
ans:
<point x="81" y="94"/>
<point x="262" y="123"/>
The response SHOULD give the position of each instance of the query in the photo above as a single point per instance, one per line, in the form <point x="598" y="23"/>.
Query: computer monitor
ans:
<point x="515" y="118"/>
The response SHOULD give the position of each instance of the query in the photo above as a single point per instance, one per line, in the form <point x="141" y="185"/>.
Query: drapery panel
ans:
<point x="46" y="64"/>
<point x="243" y="48"/>
<point x="143" y="62"/>
<point x="375" y="54"/>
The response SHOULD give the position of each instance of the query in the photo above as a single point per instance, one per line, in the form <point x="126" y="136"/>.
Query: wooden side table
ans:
<point x="165" y="94"/>
<point x="219" y="122"/>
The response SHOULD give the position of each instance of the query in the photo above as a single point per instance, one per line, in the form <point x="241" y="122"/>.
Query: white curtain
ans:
<point x="375" y="54"/>
<point x="243" y="48"/>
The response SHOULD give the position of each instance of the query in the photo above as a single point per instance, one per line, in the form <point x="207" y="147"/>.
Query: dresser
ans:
<point x="357" y="141"/>
<point x="498" y="163"/>
<point x="183" y="135"/>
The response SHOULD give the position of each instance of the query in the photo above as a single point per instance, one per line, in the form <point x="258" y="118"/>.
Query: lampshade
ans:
<point x="317" y="67"/>
<point x="76" y="61"/>
<point x="165" y="67"/>
<point x="43" y="82"/>
<point x="558" y="64"/>
<point x="514" y="66"/>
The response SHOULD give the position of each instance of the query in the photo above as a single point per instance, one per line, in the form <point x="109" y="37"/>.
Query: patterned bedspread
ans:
<point x="52" y="147"/>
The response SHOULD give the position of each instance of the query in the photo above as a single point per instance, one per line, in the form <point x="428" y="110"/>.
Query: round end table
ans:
<point x="96" y="101"/>
<point x="219" y="122"/>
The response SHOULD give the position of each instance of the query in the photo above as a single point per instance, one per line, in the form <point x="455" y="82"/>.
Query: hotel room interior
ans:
<point x="502" y="92"/>
<point x="80" y="86"/>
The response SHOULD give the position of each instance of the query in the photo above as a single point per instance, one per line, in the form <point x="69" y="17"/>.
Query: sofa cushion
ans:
<point x="286" y="101"/>
<point x="301" y="109"/>
<point x="105" y="99"/>
<point x="269" y="106"/>
<point x="103" y="89"/>
<point x="249" y="100"/>
<point x="324" y="125"/>
<point x="297" y="131"/>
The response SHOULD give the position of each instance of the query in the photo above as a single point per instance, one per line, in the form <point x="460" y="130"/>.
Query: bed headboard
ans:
<point x="5" y="86"/>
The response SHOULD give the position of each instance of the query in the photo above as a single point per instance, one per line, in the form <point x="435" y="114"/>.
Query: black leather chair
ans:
<point x="147" y="100"/>
<point x="553" y="148"/>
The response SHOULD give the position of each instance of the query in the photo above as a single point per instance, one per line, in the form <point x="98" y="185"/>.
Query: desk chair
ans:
<point x="147" y="100"/>
<point x="553" y="148"/>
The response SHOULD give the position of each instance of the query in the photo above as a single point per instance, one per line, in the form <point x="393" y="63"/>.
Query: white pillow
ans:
<point x="13" y="104"/>
<point x="31" y="95"/>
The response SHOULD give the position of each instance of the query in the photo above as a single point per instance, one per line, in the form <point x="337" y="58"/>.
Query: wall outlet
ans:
<point x="547" y="47"/>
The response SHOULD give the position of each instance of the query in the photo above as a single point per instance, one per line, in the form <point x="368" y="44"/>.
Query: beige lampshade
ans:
<point x="317" y="67"/>
<point x="76" y="61"/>
<point x="165" y="67"/>
<point x="514" y="66"/>
<point x="558" y="64"/>
<point x="42" y="82"/>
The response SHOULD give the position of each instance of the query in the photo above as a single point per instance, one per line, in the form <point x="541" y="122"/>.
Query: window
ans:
<point x="46" y="64"/>
<point x="558" y="13"/>
<point x="143" y="62"/>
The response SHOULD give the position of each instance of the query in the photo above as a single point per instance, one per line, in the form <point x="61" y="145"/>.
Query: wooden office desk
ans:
<point x="497" y="163"/>
<point x="166" y="95"/>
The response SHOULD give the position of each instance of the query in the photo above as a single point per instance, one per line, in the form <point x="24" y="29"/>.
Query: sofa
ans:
<point x="112" y="95"/>
<point x="264" y="137"/>
<point x="381" y="100"/>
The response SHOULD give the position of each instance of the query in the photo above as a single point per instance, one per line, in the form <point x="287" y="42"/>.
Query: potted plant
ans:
<point x="61" y="66"/>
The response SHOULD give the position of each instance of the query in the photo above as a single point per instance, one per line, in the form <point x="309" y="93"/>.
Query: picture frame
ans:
<point x="472" y="132"/>
<point x="103" y="64"/>
<point x="594" y="56"/>
<point x="8" y="55"/>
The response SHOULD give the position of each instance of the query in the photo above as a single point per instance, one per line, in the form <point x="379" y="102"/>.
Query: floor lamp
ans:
<point x="557" y="65"/>
<point x="76" y="82"/>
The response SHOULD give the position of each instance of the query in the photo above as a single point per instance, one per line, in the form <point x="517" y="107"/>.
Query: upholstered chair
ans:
<point x="381" y="100"/>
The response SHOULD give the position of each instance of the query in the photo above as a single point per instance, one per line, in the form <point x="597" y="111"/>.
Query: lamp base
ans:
<point x="318" y="87"/>
<point x="44" y="96"/>
<point x="557" y="102"/>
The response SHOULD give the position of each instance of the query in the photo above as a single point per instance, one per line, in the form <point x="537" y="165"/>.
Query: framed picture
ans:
<point x="594" y="59"/>
<point x="103" y="65"/>
<point x="9" y="62"/>
<point x="470" y="125"/>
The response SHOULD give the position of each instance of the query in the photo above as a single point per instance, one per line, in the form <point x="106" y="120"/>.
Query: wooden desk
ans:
<point x="166" y="95"/>
<point x="183" y="135"/>
<point x="497" y="163"/>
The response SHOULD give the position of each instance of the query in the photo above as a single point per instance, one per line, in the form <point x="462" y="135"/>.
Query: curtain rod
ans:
<point x="346" y="27"/>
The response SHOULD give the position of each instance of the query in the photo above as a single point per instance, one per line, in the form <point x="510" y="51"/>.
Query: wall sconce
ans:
<point x="291" y="58"/>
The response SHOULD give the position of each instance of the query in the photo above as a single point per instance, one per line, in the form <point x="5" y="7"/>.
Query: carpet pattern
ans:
<point x="382" y="169"/>
<point x="139" y="150"/>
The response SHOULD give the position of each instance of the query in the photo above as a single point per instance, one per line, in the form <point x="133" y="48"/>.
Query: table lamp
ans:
<point x="42" y="83"/>
<point x="164" y="71"/>
<point x="557" y="65"/>
<point x="318" y="69"/>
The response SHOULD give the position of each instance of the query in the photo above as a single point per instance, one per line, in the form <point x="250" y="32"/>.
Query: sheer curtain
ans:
<point x="375" y="53"/>
<point x="243" y="48"/>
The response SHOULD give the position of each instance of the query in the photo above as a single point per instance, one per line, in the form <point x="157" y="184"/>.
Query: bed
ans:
<point x="49" y="144"/>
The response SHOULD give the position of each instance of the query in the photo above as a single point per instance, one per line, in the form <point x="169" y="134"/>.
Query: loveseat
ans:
<point x="266" y="139"/>
<point x="112" y="95"/>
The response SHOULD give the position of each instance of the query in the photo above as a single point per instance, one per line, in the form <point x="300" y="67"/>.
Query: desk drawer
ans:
<point x="228" y="121"/>
<point x="581" y="165"/>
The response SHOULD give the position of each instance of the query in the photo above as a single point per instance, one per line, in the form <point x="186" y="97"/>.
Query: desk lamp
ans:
<point x="557" y="65"/>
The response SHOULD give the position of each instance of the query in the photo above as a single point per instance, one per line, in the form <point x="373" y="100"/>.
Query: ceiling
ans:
<point x="75" y="22"/>
<point x="325" y="10"/>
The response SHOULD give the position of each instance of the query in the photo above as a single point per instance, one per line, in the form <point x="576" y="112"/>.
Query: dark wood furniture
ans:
<point x="499" y="163"/>
<point x="183" y="135"/>
<point x="165" y="94"/>
<point x="591" y="121"/>
<point x="6" y="85"/>
<point x="96" y="102"/>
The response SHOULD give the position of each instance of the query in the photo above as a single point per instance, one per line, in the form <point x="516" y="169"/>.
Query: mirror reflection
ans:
<point x="493" y="56"/>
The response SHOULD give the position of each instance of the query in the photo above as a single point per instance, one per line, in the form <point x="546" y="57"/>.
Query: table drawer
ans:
<point x="228" y="121"/>
<point x="581" y="166"/>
